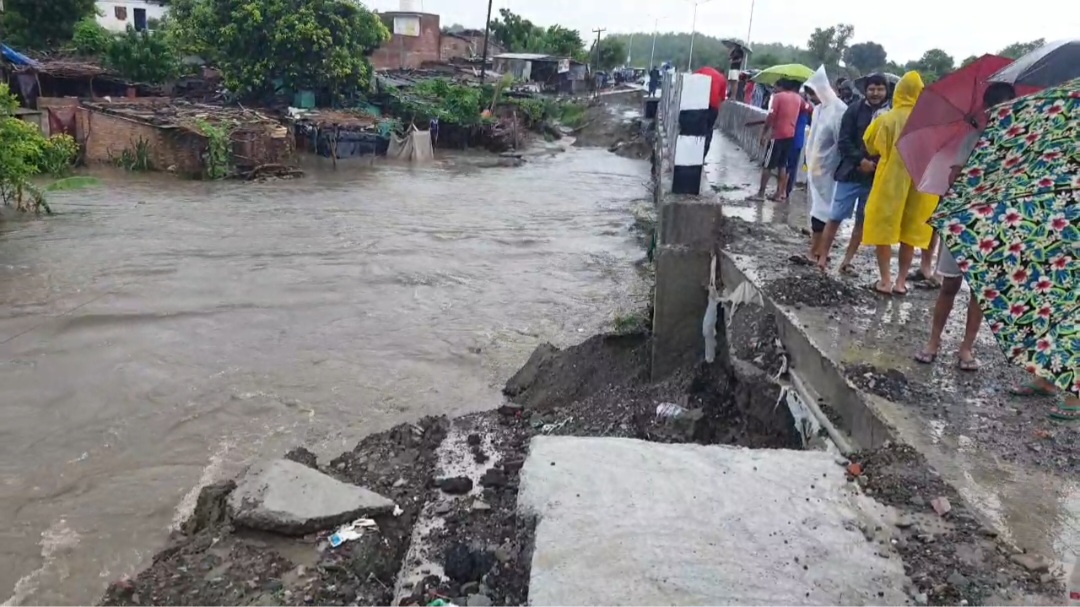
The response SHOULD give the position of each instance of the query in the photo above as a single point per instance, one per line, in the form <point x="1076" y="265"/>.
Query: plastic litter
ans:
<point x="549" y="428"/>
<point x="666" y="411"/>
<point x="805" y="423"/>
<point x="708" y="324"/>
<point x="1073" y="586"/>
<point x="352" y="531"/>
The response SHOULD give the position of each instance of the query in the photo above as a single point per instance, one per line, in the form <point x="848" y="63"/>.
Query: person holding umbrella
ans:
<point x="1012" y="222"/>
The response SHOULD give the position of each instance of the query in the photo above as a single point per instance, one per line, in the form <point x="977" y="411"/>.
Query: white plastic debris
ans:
<point x="549" y="428"/>
<point x="665" y="411"/>
<point x="708" y="324"/>
<point x="744" y="294"/>
<point x="805" y="423"/>
<point x="397" y="510"/>
<point x="352" y="531"/>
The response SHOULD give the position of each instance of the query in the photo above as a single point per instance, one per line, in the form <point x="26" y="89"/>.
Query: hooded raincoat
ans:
<point x="896" y="212"/>
<point x="822" y="153"/>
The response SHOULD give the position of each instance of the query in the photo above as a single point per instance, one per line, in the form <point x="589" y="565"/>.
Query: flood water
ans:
<point x="157" y="333"/>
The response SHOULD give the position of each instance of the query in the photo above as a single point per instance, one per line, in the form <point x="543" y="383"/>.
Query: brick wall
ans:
<point x="107" y="136"/>
<point x="409" y="52"/>
<point x="44" y="103"/>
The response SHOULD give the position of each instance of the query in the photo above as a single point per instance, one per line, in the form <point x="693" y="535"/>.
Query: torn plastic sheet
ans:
<point x="743" y="294"/>
<point x="708" y="324"/>
<point x="805" y="423"/>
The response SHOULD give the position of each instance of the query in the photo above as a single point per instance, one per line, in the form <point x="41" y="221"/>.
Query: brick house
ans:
<point x="415" y="39"/>
<point x="467" y="44"/>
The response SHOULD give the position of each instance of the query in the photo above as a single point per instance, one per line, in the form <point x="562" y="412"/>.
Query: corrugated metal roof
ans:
<point x="526" y="56"/>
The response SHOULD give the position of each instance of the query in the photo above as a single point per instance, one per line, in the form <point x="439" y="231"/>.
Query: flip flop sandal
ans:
<point x="926" y="358"/>
<point x="969" y="366"/>
<point x="899" y="293"/>
<point x="848" y="270"/>
<point x="1063" y="412"/>
<point x="801" y="260"/>
<point x="1030" y="389"/>
<point x="755" y="198"/>
<point x="928" y="284"/>
<point x="873" y="288"/>
<point x="918" y="276"/>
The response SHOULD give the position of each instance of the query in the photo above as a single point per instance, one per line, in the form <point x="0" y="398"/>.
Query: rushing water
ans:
<point x="158" y="333"/>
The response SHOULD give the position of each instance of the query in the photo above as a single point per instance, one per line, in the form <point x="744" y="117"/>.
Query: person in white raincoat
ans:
<point x="822" y="157"/>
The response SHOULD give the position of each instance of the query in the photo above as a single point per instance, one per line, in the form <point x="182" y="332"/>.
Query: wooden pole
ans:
<point x="487" y="32"/>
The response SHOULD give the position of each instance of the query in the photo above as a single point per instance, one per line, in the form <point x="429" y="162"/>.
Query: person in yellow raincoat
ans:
<point x="896" y="213"/>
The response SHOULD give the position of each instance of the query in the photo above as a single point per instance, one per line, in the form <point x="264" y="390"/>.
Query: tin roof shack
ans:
<point x="546" y="72"/>
<point x="341" y="133"/>
<point x="67" y="78"/>
<point x="156" y="133"/>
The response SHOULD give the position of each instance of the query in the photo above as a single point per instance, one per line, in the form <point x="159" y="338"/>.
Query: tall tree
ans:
<point x="934" y="64"/>
<point x="42" y="24"/>
<point x="564" y="42"/>
<point x="514" y="32"/>
<point x="866" y="56"/>
<point x="612" y="53"/>
<point x="827" y="46"/>
<point x="303" y="44"/>
<point x="1019" y="49"/>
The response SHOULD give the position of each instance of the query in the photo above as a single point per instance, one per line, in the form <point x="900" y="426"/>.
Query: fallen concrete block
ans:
<point x="286" y="497"/>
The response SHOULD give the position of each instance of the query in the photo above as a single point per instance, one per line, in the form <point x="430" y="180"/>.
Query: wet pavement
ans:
<point x="1000" y="451"/>
<point x="157" y="334"/>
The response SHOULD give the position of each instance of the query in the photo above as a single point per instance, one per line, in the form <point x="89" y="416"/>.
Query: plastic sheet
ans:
<point x="822" y="152"/>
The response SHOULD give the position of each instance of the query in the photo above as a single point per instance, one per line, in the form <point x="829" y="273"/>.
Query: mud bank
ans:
<point x="614" y="125"/>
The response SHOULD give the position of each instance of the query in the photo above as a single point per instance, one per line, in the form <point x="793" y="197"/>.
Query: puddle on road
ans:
<point x="158" y="333"/>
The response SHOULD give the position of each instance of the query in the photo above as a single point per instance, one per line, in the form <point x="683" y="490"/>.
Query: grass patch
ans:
<point x="572" y="115"/>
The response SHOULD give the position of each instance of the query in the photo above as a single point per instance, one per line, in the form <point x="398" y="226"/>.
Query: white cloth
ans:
<point x="822" y="150"/>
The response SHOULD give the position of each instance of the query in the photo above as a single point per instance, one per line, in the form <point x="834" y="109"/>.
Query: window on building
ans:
<point x="120" y="12"/>
<point x="140" y="19"/>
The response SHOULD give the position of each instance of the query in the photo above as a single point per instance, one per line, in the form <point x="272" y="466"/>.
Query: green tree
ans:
<point x="827" y="46"/>
<point x="969" y="61"/>
<point x="564" y="42"/>
<point x="299" y="44"/>
<point x="143" y="57"/>
<point x="42" y="24"/>
<point x="866" y="56"/>
<point x="514" y="32"/>
<point x="934" y="64"/>
<point x="1019" y="49"/>
<point x="612" y="53"/>
<point x="90" y="38"/>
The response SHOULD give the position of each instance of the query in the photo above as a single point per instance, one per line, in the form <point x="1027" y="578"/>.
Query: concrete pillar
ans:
<point x="693" y="127"/>
<point x="690" y="233"/>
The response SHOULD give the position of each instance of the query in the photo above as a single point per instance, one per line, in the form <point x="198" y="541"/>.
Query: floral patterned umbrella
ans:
<point x="1012" y="220"/>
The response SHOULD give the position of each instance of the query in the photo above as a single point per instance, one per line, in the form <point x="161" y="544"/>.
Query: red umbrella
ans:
<point x="948" y="112"/>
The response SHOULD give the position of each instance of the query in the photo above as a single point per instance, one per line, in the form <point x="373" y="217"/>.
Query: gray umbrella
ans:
<point x="1049" y="65"/>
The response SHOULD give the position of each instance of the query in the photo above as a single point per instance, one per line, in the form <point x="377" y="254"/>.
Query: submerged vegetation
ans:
<point x="25" y="153"/>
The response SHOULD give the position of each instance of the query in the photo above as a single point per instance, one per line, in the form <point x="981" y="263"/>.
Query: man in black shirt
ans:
<point x="855" y="174"/>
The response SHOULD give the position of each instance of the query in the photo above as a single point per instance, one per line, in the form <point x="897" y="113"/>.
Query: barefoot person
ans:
<point x="952" y="274"/>
<point x="896" y="213"/>
<point x="855" y="174"/>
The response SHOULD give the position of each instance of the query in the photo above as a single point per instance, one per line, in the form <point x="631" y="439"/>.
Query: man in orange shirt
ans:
<point x="717" y="94"/>
<point x="782" y="120"/>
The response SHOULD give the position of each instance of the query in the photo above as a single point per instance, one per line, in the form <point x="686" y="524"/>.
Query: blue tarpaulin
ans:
<point x="15" y="56"/>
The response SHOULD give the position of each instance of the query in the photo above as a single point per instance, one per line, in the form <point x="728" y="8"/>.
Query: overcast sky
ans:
<point x="905" y="29"/>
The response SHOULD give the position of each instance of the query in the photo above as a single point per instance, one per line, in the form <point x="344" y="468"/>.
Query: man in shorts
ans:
<point x="952" y="276"/>
<point x="783" y="117"/>
<point x="855" y="175"/>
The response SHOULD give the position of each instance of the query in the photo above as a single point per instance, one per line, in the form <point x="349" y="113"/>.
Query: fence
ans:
<point x="733" y="120"/>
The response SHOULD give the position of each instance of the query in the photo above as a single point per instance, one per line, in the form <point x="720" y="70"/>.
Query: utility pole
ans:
<point x="630" y="49"/>
<point x="487" y="32"/>
<point x="693" y="32"/>
<point x="652" y="54"/>
<point x="598" y="32"/>
<point x="749" y="28"/>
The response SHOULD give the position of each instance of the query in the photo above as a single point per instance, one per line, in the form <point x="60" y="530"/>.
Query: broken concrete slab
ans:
<point x="637" y="523"/>
<point x="290" y="498"/>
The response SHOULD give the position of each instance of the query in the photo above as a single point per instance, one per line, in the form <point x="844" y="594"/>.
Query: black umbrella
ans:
<point x="1049" y="65"/>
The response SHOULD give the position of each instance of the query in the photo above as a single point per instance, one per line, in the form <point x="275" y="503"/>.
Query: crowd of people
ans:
<point x="867" y="180"/>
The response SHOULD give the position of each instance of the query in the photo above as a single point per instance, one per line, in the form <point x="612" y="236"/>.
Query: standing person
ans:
<point x="855" y="175"/>
<point x="654" y="81"/>
<point x="717" y="93"/>
<point x="822" y="159"/>
<point x="783" y="116"/>
<point x="896" y="212"/>
<point x="952" y="276"/>
<point x="796" y="156"/>
<point x="845" y="90"/>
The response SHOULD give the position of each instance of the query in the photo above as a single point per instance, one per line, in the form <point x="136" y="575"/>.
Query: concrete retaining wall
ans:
<point x="734" y="116"/>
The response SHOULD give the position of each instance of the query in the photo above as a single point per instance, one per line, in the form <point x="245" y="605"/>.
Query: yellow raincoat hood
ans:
<point x="896" y="212"/>
<point x="907" y="91"/>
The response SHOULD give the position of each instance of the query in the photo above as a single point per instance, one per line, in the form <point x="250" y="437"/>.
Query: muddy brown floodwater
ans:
<point x="157" y="334"/>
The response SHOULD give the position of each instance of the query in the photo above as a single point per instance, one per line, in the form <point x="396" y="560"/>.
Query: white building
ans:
<point x="116" y="15"/>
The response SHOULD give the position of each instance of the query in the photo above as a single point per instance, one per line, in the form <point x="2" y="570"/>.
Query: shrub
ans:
<point x="142" y="57"/>
<point x="90" y="38"/>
